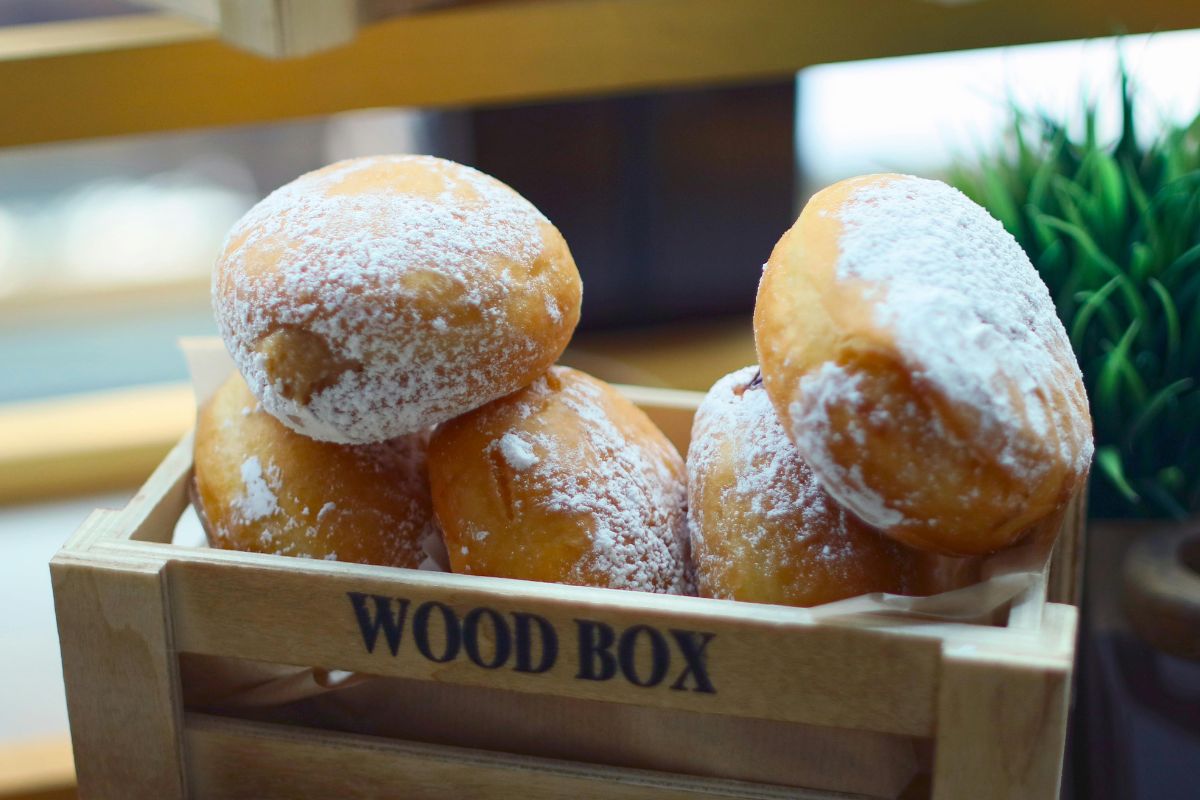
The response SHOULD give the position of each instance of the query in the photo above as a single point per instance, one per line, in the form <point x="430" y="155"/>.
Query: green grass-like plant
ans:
<point x="1114" y="230"/>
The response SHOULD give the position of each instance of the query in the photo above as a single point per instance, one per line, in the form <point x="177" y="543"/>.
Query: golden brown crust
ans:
<point x="919" y="456"/>
<point x="379" y="296"/>
<point x="264" y="488"/>
<point x="565" y="481"/>
<point x="764" y="531"/>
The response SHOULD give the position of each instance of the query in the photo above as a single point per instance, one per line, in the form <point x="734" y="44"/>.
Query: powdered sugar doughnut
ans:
<point x="264" y="488"/>
<point x="380" y="296"/>
<point x="564" y="481"/>
<point x="916" y="360"/>
<point x="764" y="530"/>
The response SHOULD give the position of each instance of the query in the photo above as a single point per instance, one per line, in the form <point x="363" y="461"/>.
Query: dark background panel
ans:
<point x="670" y="202"/>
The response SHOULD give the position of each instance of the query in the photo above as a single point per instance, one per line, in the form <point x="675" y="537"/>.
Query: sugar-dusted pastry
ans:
<point x="915" y="358"/>
<point x="763" y="529"/>
<point x="264" y="488"/>
<point x="379" y="296"/>
<point x="564" y="481"/>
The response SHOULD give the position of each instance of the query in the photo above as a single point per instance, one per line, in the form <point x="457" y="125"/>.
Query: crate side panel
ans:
<point x="541" y="638"/>
<point x="234" y="760"/>
<point x="563" y="728"/>
<point x="1065" y="583"/>
<point x="152" y="513"/>
<point x="121" y="677"/>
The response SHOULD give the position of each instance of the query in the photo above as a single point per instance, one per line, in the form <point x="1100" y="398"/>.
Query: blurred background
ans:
<point x="671" y="199"/>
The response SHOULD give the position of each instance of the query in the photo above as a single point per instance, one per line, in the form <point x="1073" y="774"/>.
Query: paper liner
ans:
<point x="1006" y="575"/>
<point x="437" y="559"/>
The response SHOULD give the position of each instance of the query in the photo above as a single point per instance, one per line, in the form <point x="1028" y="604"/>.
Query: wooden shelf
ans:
<point x="38" y="769"/>
<point x="138" y="74"/>
<point x="88" y="443"/>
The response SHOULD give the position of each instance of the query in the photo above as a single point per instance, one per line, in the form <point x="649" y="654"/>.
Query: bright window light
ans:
<point x="919" y="113"/>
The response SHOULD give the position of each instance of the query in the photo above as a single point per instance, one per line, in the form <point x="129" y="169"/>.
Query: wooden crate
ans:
<point x="983" y="707"/>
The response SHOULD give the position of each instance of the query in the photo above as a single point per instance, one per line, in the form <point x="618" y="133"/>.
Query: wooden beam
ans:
<point x="90" y="442"/>
<point x="131" y="75"/>
<point x="37" y="769"/>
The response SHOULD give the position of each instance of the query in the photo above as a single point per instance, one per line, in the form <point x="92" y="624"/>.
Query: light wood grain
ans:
<point x="612" y="734"/>
<point x="1001" y="730"/>
<point x="121" y="677"/>
<point x="152" y="513"/>
<point x="499" y="53"/>
<point x="234" y="759"/>
<point x="1065" y="583"/>
<point x="761" y="664"/>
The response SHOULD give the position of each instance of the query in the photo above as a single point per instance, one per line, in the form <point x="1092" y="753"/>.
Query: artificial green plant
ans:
<point x="1114" y="230"/>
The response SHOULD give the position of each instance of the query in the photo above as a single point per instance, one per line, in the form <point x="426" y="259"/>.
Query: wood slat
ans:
<point x="1065" y="582"/>
<point x="546" y="726"/>
<point x="169" y="75"/>
<point x="768" y="662"/>
<point x="234" y="759"/>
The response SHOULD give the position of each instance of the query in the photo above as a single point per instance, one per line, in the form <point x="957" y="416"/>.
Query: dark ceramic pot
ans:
<point x="1136" y="727"/>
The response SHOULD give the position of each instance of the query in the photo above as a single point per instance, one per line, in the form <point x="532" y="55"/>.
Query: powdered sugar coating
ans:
<point x="411" y="288"/>
<point x="518" y="452"/>
<point x="599" y="498"/>
<point x="264" y="488"/>
<point x="829" y="387"/>
<point x="763" y="529"/>
<point x="973" y="324"/>
<point x="257" y="499"/>
<point x="636" y="496"/>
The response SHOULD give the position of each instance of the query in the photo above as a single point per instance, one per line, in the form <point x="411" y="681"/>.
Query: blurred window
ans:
<point x="33" y="12"/>
<point x="106" y="247"/>
<point x="919" y="113"/>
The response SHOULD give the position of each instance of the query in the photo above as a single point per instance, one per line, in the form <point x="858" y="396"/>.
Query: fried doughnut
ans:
<point x="916" y="360"/>
<point x="762" y="528"/>
<point x="265" y="488"/>
<point x="564" y="481"/>
<point x="379" y="296"/>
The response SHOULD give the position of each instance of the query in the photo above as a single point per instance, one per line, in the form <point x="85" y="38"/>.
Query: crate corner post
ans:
<point x="1002" y="721"/>
<point x="121" y="675"/>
